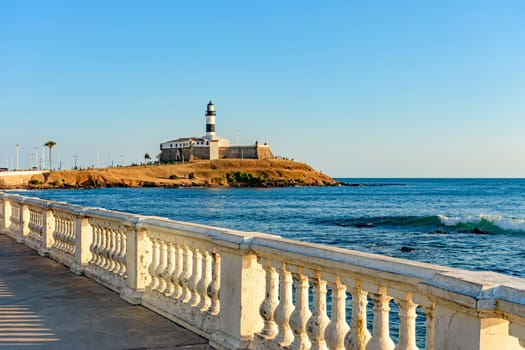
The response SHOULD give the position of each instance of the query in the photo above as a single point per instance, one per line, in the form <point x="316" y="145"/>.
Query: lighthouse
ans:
<point x="210" y="121"/>
<point x="210" y="146"/>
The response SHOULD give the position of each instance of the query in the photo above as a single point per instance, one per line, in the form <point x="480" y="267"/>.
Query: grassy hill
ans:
<point x="218" y="173"/>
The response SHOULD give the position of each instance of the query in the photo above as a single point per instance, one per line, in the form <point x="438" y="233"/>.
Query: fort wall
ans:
<point x="203" y="153"/>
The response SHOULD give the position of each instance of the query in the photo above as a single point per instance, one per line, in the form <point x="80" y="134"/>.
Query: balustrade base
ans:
<point x="33" y="243"/>
<point x="16" y="236"/>
<point x="132" y="296"/>
<point x="44" y="252"/>
<point x="202" y="323"/>
<point x="107" y="279"/>
<point x="221" y="341"/>
<point x="77" y="269"/>
<point x="61" y="257"/>
<point x="262" y="342"/>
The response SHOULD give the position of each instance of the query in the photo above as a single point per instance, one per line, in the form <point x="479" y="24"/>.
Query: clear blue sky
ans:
<point x="354" y="88"/>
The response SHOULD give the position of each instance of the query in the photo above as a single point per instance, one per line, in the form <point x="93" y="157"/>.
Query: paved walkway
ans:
<point x="45" y="306"/>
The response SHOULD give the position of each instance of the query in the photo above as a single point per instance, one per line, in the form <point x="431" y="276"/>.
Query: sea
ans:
<point x="475" y="224"/>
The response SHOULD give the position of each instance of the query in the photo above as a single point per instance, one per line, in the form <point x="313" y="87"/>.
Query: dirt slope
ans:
<point x="240" y="173"/>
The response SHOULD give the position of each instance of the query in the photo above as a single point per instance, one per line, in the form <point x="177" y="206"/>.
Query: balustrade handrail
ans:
<point x="161" y="262"/>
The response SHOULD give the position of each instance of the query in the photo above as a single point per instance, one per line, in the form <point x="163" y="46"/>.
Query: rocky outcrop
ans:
<point x="217" y="173"/>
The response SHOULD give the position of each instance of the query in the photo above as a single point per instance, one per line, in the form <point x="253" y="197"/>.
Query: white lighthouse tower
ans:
<point x="210" y="121"/>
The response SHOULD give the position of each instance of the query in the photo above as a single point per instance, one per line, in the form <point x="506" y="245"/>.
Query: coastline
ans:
<point x="217" y="173"/>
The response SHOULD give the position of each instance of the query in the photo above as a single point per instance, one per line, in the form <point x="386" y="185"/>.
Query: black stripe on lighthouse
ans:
<point x="210" y="127"/>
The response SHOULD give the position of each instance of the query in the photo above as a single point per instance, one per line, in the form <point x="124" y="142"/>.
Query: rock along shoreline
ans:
<point x="219" y="173"/>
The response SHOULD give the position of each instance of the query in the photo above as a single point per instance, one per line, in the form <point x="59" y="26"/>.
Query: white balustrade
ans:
<point x="108" y="250"/>
<point x="184" y="274"/>
<point x="250" y="290"/>
<point x="64" y="236"/>
<point x="14" y="229"/>
<point x="35" y="237"/>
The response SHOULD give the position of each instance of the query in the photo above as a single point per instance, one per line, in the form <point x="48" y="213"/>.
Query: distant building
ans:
<point x="210" y="146"/>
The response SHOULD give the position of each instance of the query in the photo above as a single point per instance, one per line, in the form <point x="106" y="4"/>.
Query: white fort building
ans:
<point x="210" y="146"/>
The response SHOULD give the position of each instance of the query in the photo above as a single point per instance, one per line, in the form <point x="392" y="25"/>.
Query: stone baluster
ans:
<point x="407" y="323"/>
<point x="104" y="247"/>
<point x="271" y="301"/>
<point x="100" y="246"/>
<point x="428" y="310"/>
<point x="337" y="328"/>
<point x="300" y="315"/>
<point x="119" y="237"/>
<point x="187" y="269"/>
<point x="319" y="320"/>
<point x="154" y="263"/>
<point x="195" y="277"/>
<point x="381" y="336"/>
<point x="205" y="281"/>
<point x="170" y="287"/>
<point x="284" y="309"/>
<point x="215" y="285"/>
<point x="71" y="235"/>
<point x="112" y="248"/>
<point x="122" y="256"/>
<point x="177" y="273"/>
<point x="62" y="233"/>
<point x="359" y="335"/>
<point x="161" y="267"/>
<point x="94" y="243"/>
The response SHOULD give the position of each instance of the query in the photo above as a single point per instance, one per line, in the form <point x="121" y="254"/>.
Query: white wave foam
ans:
<point x="505" y="223"/>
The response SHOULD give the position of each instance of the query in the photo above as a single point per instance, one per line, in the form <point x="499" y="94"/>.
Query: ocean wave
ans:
<point x="480" y="224"/>
<point x="490" y="223"/>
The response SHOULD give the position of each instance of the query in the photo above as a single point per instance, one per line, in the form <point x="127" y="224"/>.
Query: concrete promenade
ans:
<point x="45" y="306"/>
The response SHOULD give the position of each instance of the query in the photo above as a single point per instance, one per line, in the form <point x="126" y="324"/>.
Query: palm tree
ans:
<point x="146" y="158"/>
<point x="50" y="145"/>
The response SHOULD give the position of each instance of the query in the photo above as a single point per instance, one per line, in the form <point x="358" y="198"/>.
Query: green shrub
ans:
<point x="246" y="178"/>
<point x="56" y="183"/>
<point x="35" y="182"/>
